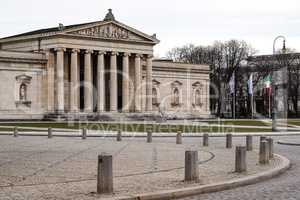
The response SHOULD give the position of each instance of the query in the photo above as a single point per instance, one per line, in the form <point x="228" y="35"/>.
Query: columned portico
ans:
<point x="101" y="85"/>
<point x="101" y="66"/>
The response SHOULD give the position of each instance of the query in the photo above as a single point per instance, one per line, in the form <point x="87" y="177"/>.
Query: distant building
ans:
<point x="284" y="70"/>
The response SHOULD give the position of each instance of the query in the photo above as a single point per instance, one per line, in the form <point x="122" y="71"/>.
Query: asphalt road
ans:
<point x="283" y="187"/>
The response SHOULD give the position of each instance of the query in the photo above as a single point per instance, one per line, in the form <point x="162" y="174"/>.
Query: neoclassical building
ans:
<point x="102" y="68"/>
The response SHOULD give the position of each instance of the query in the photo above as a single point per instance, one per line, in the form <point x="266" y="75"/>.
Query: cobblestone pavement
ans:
<point x="65" y="168"/>
<point x="284" y="187"/>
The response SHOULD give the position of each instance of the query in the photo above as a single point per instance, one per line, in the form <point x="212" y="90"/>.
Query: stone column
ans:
<point x="51" y="80"/>
<point x="60" y="79"/>
<point x="101" y="82"/>
<point x="74" y="92"/>
<point x="125" y="83"/>
<point x="88" y="84"/>
<point x="149" y="83"/>
<point x="137" y="83"/>
<point x="113" y="82"/>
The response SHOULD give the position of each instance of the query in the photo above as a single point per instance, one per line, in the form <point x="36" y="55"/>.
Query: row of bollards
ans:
<point x="249" y="138"/>
<point x="84" y="133"/>
<point x="191" y="168"/>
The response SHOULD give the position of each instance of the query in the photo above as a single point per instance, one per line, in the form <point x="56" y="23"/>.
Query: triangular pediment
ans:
<point x="197" y="84"/>
<point x="155" y="82"/>
<point x="176" y="83"/>
<point x="23" y="78"/>
<point x="111" y="30"/>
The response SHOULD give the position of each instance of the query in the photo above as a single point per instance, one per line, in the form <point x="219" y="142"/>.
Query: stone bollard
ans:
<point x="105" y="174"/>
<point x="264" y="152"/>
<point x="84" y="133"/>
<point x="16" y="133"/>
<point x="271" y="148"/>
<point x="119" y="136"/>
<point x="229" y="141"/>
<point x="249" y="142"/>
<point x="179" y="138"/>
<point x="205" y="140"/>
<point x="240" y="159"/>
<point x="262" y="138"/>
<point x="149" y="137"/>
<point x="191" y="166"/>
<point x="50" y="133"/>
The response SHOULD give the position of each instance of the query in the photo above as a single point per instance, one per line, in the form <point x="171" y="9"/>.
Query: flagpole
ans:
<point x="234" y="96"/>
<point x="250" y="92"/>
<point x="252" y="105"/>
<point x="269" y="103"/>
<point x="234" y="105"/>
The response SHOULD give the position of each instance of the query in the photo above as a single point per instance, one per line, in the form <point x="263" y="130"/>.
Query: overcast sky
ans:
<point x="176" y="22"/>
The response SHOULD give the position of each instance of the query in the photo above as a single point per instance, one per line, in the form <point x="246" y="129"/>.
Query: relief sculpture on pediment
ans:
<point x="108" y="31"/>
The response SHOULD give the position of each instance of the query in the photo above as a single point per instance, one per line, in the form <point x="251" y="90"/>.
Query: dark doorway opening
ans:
<point x="107" y="82"/>
<point x="81" y="78"/>
<point x="95" y="81"/>
<point x="120" y="80"/>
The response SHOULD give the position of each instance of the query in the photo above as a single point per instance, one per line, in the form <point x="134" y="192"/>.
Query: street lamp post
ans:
<point x="274" y="42"/>
<point x="274" y="109"/>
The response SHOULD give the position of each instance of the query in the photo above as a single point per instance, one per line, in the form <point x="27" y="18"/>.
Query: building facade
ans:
<point x="93" y="69"/>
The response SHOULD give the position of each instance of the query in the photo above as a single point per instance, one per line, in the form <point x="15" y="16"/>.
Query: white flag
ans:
<point x="232" y="83"/>
<point x="250" y="84"/>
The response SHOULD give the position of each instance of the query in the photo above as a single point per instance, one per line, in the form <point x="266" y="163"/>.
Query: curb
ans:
<point x="215" y="187"/>
<point x="288" y="143"/>
<point x="112" y="134"/>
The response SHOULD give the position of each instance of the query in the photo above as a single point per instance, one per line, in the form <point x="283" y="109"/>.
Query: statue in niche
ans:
<point x="176" y="96"/>
<point x="154" y="96"/>
<point x="198" y="98"/>
<point x="23" y="92"/>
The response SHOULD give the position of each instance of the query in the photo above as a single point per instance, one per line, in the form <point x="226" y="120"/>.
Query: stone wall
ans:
<point x="21" y="88"/>
<point x="169" y="76"/>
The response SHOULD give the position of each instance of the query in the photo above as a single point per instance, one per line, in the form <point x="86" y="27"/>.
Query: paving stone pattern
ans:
<point x="65" y="168"/>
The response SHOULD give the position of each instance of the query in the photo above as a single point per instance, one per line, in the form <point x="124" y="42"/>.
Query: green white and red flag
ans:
<point x="267" y="81"/>
<point x="268" y="84"/>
